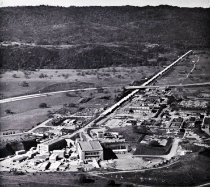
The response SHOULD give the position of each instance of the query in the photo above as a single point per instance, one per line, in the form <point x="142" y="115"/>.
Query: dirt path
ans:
<point x="194" y="65"/>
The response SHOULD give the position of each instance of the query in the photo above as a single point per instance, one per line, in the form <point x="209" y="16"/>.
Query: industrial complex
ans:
<point x="151" y="126"/>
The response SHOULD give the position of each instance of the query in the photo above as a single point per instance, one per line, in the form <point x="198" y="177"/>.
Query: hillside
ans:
<point x="93" y="37"/>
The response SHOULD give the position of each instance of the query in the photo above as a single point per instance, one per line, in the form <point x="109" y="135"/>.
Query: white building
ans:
<point x="59" y="153"/>
<point x="44" y="166"/>
<point x="20" y="152"/>
<point x="53" y="157"/>
<point x="53" y="144"/>
<point x="88" y="150"/>
<point x="55" y="166"/>
<point x="69" y="121"/>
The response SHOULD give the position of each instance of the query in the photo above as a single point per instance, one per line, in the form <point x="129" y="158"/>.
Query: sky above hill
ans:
<point x="66" y="3"/>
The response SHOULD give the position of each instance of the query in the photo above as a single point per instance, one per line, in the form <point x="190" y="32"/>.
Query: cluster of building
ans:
<point x="193" y="105"/>
<point x="110" y="140"/>
<point x="59" y="153"/>
<point x="145" y="105"/>
<point x="149" y="114"/>
<point x="59" y="125"/>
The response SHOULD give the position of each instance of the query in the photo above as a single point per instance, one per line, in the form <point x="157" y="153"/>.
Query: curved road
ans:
<point x="136" y="170"/>
<point x="12" y="99"/>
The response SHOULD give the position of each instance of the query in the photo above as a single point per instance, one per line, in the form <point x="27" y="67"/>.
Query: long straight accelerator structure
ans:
<point x="113" y="107"/>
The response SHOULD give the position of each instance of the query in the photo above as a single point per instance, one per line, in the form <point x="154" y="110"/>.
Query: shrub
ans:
<point x="24" y="84"/>
<point x="129" y="185"/>
<point x="8" y="111"/>
<point x="73" y="105"/>
<point x="100" y="90"/>
<point x="111" y="183"/>
<point x="67" y="131"/>
<point x="43" y="105"/>
<point x="27" y="73"/>
<point x="42" y="75"/>
<point x="120" y="77"/>
<point x="50" y="114"/>
<point x="80" y="109"/>
<point x="82" y="178"/>
<point x="106" y="97"/>
<point x="15" y="76"/>
<point x="16" y="172"/>
<point x="66" y="76"/>
<point x="68" y="94"/>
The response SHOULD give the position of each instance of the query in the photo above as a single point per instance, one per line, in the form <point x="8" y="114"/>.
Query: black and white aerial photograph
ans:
<point x="104" y="93"/>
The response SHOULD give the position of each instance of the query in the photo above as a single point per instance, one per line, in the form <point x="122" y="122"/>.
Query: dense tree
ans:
<point x="110" y="35"/>
<point x="8" y="111"/>
<point x="24" y="84"/>
<point x="208" y="108"/>
<point x="43" y="105"/>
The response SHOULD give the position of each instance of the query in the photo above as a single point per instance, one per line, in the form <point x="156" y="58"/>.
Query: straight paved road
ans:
<point x="169" y="86"/>
<point x="12" y="99"/>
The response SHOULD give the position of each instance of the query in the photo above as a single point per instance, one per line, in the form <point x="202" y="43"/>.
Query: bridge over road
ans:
<point x="127" y="97"/>
<point x="168" y="86"/>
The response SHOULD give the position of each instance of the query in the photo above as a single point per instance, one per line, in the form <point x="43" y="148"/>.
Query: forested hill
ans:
<point x="102" y="28"/>
<point x="56" y="25"/>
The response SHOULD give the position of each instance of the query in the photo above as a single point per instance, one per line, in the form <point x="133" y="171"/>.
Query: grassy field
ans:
<point x="62" y="79"/>
<point x="51" y="180"/>
<point x="27" y="113"/>
<point x="193" y="69"/>
<point x="48" y="180"/>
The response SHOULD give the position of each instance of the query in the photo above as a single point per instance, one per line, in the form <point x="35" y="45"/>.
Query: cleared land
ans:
<point x="46" y="80"/>
<point x="193" y="169"/>
<point x="193" y="69"/>
<point x="27" y="113"/>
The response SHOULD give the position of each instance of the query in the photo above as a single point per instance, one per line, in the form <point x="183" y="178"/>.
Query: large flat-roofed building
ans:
<point x="206" y="125"/>
<point x="98" y="133"/>
<point x="88" y="150"/>
<point x="117" y="146"/>
<point x="136" y="109"/>
<point x="53" y="144"/>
